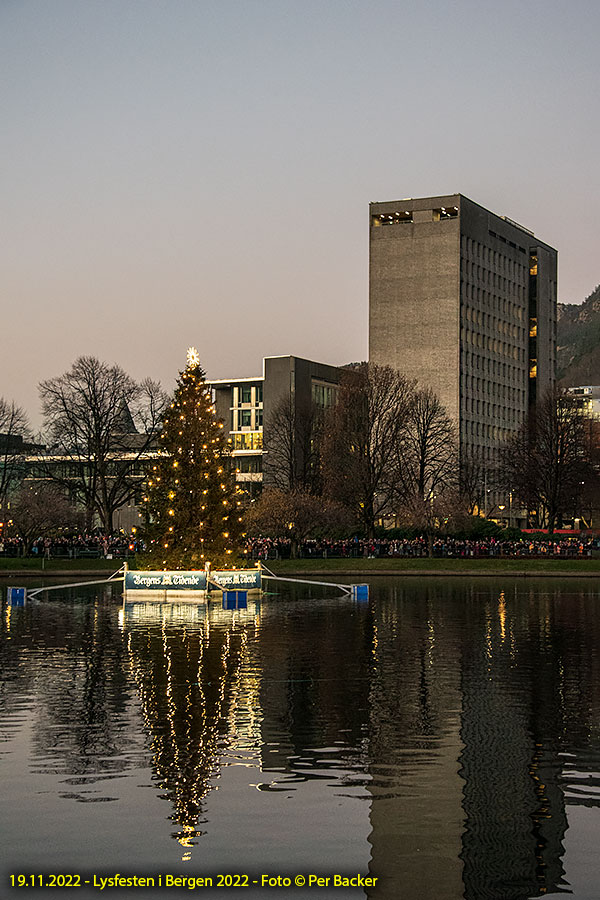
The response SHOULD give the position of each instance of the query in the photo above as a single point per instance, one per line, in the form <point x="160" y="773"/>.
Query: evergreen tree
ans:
<point x="193" y="505"/>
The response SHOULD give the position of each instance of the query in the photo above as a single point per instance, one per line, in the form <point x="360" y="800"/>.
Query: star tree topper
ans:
<point x="193" y="357"/>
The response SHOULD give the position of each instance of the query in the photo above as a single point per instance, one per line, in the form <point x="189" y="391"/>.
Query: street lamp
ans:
<point x="502" y="507"/>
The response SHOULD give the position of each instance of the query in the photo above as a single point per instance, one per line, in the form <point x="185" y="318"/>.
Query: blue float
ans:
<point x="16" y="596"/>
<point x="235" y="599"/>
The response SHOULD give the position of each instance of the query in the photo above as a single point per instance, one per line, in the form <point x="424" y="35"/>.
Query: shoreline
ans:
<point x="445" y="573"/>
<point x="464" y="569"/>
<point x="51" y="573"/>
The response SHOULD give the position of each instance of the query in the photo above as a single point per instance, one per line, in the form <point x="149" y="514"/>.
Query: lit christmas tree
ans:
<point x="193" y="505"/>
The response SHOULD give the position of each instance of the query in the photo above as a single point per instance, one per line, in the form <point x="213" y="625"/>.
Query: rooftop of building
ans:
<point x="230" y="382"/>
<point x="585" y="390"/>
<point x="449" y="205"/>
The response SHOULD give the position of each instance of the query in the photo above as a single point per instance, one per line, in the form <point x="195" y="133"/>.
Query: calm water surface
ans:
<point x="444" y="737"/>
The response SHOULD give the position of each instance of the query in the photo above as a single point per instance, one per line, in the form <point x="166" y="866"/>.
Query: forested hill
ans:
<point x="578" y="357"/>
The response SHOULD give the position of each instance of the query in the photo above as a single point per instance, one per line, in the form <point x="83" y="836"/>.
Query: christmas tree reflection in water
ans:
<point x="200" y="700"/>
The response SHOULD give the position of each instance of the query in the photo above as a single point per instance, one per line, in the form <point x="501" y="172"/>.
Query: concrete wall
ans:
<point x="547" y="317"/>
<point x="414" y="296"/>
<point x="223" y="404"/>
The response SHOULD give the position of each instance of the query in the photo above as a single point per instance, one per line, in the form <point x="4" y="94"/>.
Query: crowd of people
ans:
<point x="442" y="547"/>
<point x="76" y="546"/>
<point x="122" y="546"/>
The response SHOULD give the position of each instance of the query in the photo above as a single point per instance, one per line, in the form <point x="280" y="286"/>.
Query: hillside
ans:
<point x="578" y="356"/>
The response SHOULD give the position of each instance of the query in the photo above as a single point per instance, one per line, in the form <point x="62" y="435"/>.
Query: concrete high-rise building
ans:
<point x="464" y="301"/>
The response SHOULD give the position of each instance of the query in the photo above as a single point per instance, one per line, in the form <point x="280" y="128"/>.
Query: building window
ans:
<point x="397" y="218"/>
<point x="246" y="394"/>
<point x="324" y="395"/>
<point x="248" y="441"/>
<point x="249" y="464"/>
<point x="246" y="418"/>
<point x="445" y="212"/>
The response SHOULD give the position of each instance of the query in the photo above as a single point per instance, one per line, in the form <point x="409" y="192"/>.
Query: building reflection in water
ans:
<point x="415" y="705"/>
<point x="484" y="726"/>
<point x="462" y="716"/>
<point x="456" y="708"/>
<point x="316" y="673"/>
<point x="512" y="728"/>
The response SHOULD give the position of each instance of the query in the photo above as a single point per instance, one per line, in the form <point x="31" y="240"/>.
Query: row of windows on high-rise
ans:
<point x="473" y="362"/>
<point x="483" y="430"/>
<point x="510" y="309"/>
<point x="479" y="276"/>
<point x="490" y="410"/>
<point x="509" y="394"/>
<point x="470" y="448"/>
<point x="484" y="342"/>
<point x="492" y="322"/>
<point x="406" y="216"/>
<point x="494" y="258"/>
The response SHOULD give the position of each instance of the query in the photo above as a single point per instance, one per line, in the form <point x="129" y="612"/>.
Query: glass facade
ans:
<point x="324" y="395"/>
<point x="249" y="440"/>
<point x="246" y="407"/>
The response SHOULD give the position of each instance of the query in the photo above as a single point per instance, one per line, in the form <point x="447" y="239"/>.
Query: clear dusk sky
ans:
<point x="198" y="173"/>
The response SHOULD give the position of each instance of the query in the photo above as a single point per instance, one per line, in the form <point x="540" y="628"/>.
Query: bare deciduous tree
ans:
<point x="472" y="481"/>
<point x="427" y="463"/>
<point x="363" y="441"/>
<point x="548" y="459"/>
<point x="296" y="515"/>
<point x="41" y="511"/>
<point x="100" y="424"/>
<point x="429" y="452"/>
<point x="14" y="426"/>
<point x="293" y="438"/>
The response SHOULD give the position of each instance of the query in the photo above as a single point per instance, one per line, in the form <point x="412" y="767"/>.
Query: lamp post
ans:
<point x="502" y="507"/>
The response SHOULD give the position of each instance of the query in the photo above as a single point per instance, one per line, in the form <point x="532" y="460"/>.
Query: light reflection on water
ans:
<point x="444" y="737"/>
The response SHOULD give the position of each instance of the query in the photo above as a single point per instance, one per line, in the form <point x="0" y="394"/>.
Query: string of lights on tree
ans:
<point x="192" y="502"/>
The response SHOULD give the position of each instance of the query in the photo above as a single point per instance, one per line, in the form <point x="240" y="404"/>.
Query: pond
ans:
<point x="442" y="738"/>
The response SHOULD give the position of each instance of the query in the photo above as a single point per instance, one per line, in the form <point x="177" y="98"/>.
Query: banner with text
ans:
<point x="244" y="579"/>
